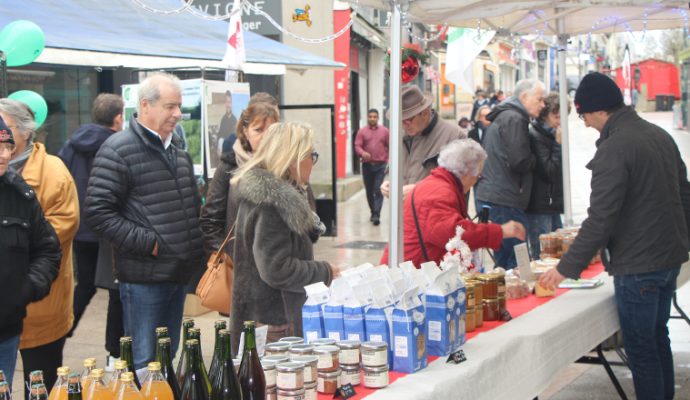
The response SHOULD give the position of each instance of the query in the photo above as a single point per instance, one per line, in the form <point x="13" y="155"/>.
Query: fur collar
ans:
<point x="259" y="186"/>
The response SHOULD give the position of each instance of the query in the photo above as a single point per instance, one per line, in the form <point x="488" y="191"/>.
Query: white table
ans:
<point x="519" y="359"/>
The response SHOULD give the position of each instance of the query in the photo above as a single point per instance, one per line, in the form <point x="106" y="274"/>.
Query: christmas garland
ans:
<point x="412" y="56"/>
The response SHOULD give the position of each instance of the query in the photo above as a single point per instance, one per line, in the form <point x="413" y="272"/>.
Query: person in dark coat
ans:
<point x="439" y="202"/>
<point x="482" y="124"/>
<point x="506" y="182"/>
<point x="546" y="201"/>
<point x="143" y="198"/>
<point x="78" y="154"/>
<point x="228" y="123"/>
<point x="275" y="232"/>
<point x="29" y="250"/>
<point x="637" y="214"/>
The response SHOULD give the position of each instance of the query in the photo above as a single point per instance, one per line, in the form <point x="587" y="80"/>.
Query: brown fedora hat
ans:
<point x="414" y="101"/>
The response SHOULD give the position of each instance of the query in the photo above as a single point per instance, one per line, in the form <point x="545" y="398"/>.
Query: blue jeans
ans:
<point x="505" y="256"/>
<point x="538" y="224"/>
<point x="373" y="175"/>
<point x="146" y="307"/>
<point x="644" y="306"/>
<point x="8" y="357"/>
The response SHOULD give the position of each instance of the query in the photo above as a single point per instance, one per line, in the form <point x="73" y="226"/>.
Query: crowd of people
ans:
<point x="126" y="202"/>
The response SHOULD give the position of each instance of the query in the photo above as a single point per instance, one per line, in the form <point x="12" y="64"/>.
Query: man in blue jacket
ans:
<point x="637" y="215"/>
<point x="78" y="154"/>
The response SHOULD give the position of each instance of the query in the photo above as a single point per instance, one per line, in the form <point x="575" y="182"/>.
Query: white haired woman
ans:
<point x="437" y="205"/>
<point x="275" y="232"/>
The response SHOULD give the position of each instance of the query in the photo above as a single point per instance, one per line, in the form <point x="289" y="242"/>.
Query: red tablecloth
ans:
<point x="516" y="308"/>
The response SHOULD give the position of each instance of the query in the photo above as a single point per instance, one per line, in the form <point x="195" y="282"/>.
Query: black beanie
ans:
<point x="5" y="133"/>
<point x="597" y="92"/>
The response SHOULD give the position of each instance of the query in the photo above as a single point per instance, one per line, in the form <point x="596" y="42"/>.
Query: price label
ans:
<point x="457" y="357"/>
<point x="345" y="392"/>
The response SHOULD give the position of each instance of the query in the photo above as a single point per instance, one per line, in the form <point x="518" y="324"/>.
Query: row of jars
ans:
<point x="485" y="299"/>
<point x="295" y="370"/>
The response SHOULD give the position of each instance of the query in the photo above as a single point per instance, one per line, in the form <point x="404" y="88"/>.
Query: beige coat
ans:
<point x="51" y="318"/>
<point x="425" y="146"/>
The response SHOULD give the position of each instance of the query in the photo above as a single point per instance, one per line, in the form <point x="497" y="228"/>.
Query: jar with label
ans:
<point x="292" y="340"/>
<point x="349" y="351"/>
<point x="277" y="349"/>
<point x="489" y="286"/>
<point x="310" y="392"/>
<point x="290" y="375"/>
<point x="501" y="280"/>
<point x="295" y="394"/>
<point x="491" y="310"/>
<point x="374" y="354"/>
<point x="328" y="382"/>
<point x="350" y="374"/>
<point x="502" y="304"/>
<point x="310" y="367"/>
<point x="301" y="350"/>
<point x="323" y="342"/>
<point x="479" y="314"/>
<point x="269" y="371"/>
<point x="469" y="295"/>
<point x="470" y="316"/>
<point x="271" y="393"/>
<point x="329" y="358"/>
<point x="376" y="377"/>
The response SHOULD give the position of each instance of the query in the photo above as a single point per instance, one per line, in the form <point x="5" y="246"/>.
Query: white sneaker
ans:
<point x="110" y="364"/>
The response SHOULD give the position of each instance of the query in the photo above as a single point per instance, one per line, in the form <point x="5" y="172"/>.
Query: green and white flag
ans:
<point x="464" y="45"/>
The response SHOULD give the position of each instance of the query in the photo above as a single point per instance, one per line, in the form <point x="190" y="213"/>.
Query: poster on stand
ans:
<point x="223" y="106"/>
<point x="188" y="129"/>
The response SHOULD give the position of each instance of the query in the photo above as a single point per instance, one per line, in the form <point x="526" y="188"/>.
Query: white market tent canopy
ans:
<point x="562" y="18"/>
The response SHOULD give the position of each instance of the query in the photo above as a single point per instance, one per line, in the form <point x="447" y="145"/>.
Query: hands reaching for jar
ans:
<point x="513" y="229"/>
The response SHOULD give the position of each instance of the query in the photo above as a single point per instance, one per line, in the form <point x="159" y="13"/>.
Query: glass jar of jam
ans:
<point x="489" y="286"/>
<point x="290" y="375"/>
<point x="350" y="374"/>
<point x="491" y="310"/>
<point x="374" y="354"/>
<point x="292" y="394"/>
<point x="470" y="317"/>
<point x="269" y="368"/>
<point x="470" y="299"/>
<point x="301" y="350"/>
<point x="277" y="349"/>
<point x="329" y="358"/>
<point x="328" y="382"/>
<point x="349" y="351"/>
<point x="376" y="377"/>
<point x="310" y="367"/>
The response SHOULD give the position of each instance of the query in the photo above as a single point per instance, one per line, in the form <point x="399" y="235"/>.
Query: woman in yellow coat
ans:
<point x="47" y="321"/>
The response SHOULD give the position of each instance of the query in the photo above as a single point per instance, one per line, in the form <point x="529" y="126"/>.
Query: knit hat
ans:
<point x="5" y="133"/>
<point x="597" y="92"/>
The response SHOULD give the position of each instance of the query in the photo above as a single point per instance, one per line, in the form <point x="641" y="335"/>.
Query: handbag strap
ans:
<point x="419" y="230"/>
<point x="228" y="238"/>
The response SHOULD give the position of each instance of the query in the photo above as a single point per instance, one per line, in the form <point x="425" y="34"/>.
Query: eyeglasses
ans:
<point x="7" y="146"/>
<point x="314" y="157"/>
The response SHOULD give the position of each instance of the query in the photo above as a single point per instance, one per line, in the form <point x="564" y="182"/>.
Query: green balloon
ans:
<point x="35" y="102"/>
<point x="22" y="42"/>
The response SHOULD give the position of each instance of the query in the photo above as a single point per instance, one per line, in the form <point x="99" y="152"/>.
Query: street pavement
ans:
<point x="574" y="382"/>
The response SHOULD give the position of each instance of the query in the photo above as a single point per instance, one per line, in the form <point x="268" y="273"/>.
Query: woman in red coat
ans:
<point x="439" y="202"/>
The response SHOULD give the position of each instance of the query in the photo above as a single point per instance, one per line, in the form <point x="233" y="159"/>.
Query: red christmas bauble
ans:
<point x="409" y="69"/>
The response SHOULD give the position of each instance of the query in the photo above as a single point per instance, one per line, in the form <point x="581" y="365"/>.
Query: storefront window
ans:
<point x="69" y="92"/>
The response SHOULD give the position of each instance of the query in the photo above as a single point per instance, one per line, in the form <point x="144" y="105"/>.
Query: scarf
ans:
<point x="241" y="155"/>
<point x="19" y="162"/>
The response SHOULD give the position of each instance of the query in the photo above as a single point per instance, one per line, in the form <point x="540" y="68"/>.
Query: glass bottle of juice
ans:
<point x="126" y="389"/>
<point x="59" y="390"/>
<point x="155" y="387"/>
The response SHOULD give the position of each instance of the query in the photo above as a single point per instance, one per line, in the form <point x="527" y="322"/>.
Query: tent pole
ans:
<point x="563" y="101"/>
<point x="395" y="241"/>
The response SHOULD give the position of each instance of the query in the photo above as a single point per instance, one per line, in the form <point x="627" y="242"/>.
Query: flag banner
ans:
<point x="234" y="51"/>
<point x="464" y="45"/>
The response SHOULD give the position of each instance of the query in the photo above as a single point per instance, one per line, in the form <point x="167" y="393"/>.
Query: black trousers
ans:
<point x="373" y="175"/>
<point x="47" y="358"/>
<point x="87" y="258"/>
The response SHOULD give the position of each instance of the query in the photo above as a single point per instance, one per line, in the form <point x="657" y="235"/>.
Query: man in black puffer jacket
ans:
<point x="143" y="198"/>
<point x="29" y="250"/>
<point x="636" y="213"/>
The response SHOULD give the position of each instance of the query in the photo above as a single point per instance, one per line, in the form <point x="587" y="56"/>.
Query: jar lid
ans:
<point x="376" y="370"/>
<point x="302" y="348"/>
<point x="268" y="364"/>
<point x="349" y="344"/>
<point x="294" y="392"/>
<point x="310" y="385"/>
<point x="323" y="342"/>
<point x="350" y="367"/>
<point x="291" y="366"/>
<point x="326" y="349"/>
<point x="292" y="339"/>
<point x="271" y="389"/>
<point x="307" y="360"/>
<point x="373" y="346"/>
<point x="275" y="359"/>
<point x="284" y="346"/>
<point x="329" y="375"/>
<point x="490" y="301"/>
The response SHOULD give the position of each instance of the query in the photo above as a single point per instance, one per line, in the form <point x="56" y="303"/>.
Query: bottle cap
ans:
<point x="154" y="366"/>
<point x="120" y="364"/>
<point x="89" y="362"/>
<point x="126" y="377"/>
<point x="64" y="370"/>
<point x="97" y="373"/>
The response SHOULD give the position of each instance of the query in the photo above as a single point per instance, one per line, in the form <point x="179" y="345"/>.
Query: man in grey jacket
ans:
<point x="425" y="134"/>
<point x="506" y="181"/>
<point x="637" y="214"/>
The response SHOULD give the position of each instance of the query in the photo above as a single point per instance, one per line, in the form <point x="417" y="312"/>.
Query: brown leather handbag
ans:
<point x="215" y="286"/>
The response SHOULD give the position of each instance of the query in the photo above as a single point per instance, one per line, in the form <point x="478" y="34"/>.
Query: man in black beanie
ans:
<point x="637" y="216"/>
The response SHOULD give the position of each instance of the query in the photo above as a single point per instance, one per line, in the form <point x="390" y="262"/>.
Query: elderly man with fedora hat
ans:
<point x="638" y="214"/>
<point x="425" y="134"/>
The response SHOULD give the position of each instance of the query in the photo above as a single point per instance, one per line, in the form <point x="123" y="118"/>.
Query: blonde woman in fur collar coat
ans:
<point x="275" y="232"/>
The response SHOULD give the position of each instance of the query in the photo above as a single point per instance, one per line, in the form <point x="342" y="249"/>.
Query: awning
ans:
<point x="119" y="33"/>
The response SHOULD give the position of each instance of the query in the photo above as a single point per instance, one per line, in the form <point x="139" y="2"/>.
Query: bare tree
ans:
<point x="672" y="42"/>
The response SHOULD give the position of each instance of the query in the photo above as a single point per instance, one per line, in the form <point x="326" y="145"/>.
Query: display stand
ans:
<point x="681" y="313"/>
<point x="600" y="359"/>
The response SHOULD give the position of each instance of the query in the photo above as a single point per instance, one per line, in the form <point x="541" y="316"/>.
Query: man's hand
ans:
<point x="513" y="229"/>
<point x="155" y="250"/>
<point x="386" y="189"/>
<point x="551" y="279"/>
<point x="335" y="271"/>
<point x="558" y="135"/>
<point x="366" y="156"/>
